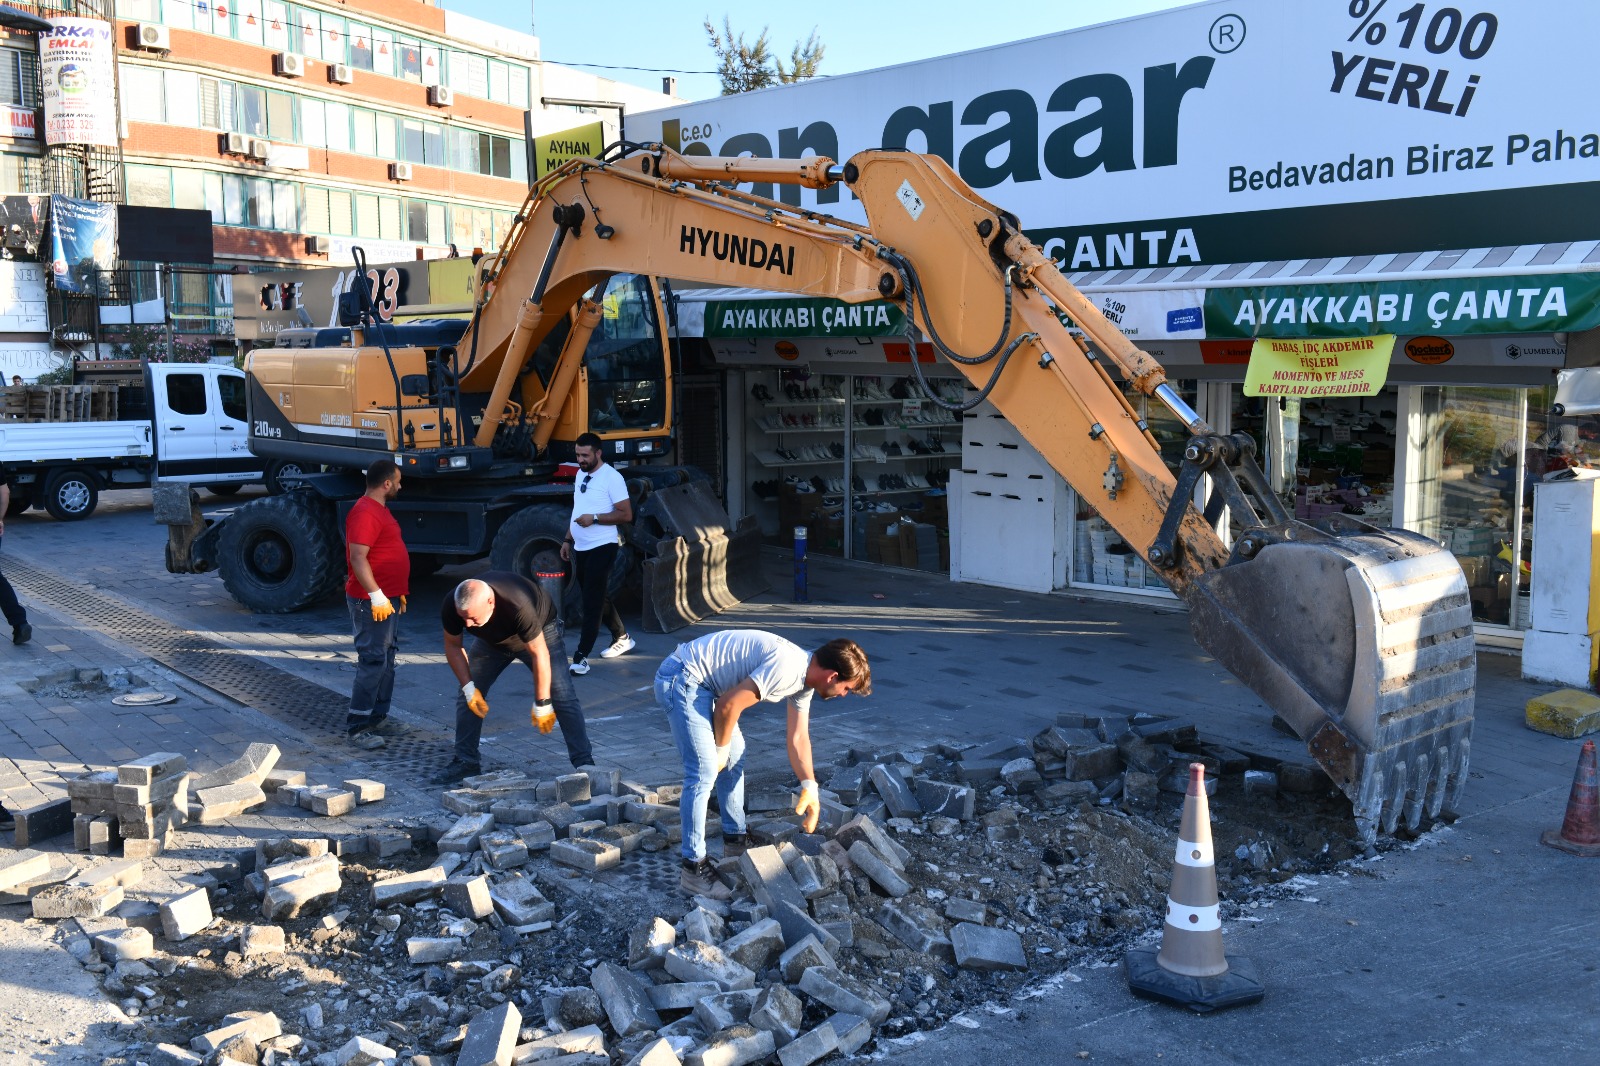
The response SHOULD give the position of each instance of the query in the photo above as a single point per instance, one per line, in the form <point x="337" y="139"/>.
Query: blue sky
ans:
<point x="859" y="35"/>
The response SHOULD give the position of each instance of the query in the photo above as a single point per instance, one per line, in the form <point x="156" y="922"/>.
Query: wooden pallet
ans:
<point x="59" y="403"/>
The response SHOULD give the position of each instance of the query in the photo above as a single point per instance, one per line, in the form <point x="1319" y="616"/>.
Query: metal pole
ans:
<point x="164" y="279"/>
<point x="801" y="595"/>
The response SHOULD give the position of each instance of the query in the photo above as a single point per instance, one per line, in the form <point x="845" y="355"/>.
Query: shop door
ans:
<point x="1479" y="452"/>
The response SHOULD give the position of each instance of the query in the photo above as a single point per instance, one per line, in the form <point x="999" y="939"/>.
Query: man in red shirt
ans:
<point x="380" y="576"/>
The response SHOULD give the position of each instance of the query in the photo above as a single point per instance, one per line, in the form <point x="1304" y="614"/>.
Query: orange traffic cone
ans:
<point x="1191" y="969"/>
<point x="1580" y="829"/>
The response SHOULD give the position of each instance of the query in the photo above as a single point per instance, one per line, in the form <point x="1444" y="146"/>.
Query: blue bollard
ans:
<point x="800" y="593"/>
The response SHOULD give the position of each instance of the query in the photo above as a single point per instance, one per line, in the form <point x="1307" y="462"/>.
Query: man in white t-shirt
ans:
<point x="600" y="504"/>
<point x="705" y="686"/>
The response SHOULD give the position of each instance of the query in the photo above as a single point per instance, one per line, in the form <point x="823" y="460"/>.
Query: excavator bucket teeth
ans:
<point x="702" y="563"/>
<point x="1361" y="639"/>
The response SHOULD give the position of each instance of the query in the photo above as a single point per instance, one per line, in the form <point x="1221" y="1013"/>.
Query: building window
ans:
<point x="502" y="157"/>
<point x="366" y="132"/>
<point x="280" y="117"/>
<point x="214" y="199"/>
<point x="232" y="200"/>
<point x="519" y="87"/>
<point x="279" y="36"/>
<point x="499" y="82"/>
<point x="180" y="16"/>
<point x="259" y="209"/>
<point x="183" y="99"/>
<point x="436" y="224"/>
<point x="188" y="189"/>
<point x="141" y="94"/>
<point x="149" y="186"/>
<point x="417" y="221"/>
<point x="411" y="142"/>
<point x="433" y="145"/>
<point x="213" y="114"/>
<point x="305" y="33"/>
<point x="340" y="219"/>
<point x="249" y="28"/>
<point x="360" y="38"/>
<point x="408" y="58"/>
<point x="382" y="52"/>
<point x="366" y="216"/>
<point x="386" y="137"/>
<point x="389" y="219"/>
<point x="134" y="10"/>
<point x="252" y="110"/>
<point x="317" y="220"/>
<point x="432" y="65"/>
<point x="338" y="121"/>
<point x="463" y="150"/>
<point x="313" y="123"/>
<point x="285" y="206"/>
<point x="335" y="44"/>
<point x="19" y="77"/>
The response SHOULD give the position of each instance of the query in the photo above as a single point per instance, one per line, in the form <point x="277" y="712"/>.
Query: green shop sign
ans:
<point x="1450" y="306"/>
<point x="802" y="318"/>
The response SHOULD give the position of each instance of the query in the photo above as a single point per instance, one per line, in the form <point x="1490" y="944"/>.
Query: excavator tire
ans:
<point x="530" y="543"/>
<point x="279" y="554"/>
<point x="1361" y="639"/>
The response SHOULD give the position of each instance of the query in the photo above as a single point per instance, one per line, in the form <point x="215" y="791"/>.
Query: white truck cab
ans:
<point x="177" y="422"/>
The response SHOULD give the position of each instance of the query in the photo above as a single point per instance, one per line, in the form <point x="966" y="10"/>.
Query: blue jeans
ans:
<point x="486" y="662"/>
<point x="688" y="706"/>
<point x="376" y="643"/>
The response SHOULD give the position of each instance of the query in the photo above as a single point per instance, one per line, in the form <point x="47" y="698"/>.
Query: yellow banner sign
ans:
<point x="1346" y="366"/>
<point x="553" y="149"/>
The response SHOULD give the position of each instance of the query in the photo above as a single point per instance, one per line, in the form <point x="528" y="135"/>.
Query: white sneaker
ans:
<point x="579" y="666"/>
<point x="621" y="647"/>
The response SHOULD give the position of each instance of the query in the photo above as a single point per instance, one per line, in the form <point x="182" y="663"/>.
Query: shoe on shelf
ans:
<point x="700" y="879"/>
<point x="21" y="634"/>
<point x="621" y="646"/>
<point x="579" y="666"/>
<point x="456" y="771"/>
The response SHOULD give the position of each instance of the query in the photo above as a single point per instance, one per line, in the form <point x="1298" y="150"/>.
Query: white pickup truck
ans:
<point x="177" y="422"/>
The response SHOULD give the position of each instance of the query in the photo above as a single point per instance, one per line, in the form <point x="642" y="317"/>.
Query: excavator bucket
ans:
<point x="1361" y="639"/>
<point x="702" y="563"/>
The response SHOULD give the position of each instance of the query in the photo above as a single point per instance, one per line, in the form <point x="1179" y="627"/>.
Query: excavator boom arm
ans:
<point x="1360" y="638"/>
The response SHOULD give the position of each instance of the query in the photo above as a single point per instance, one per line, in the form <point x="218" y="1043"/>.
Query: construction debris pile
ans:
<point x="538" y="920"/>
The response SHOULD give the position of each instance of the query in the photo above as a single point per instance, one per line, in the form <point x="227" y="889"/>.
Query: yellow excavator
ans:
<point x="1360" y="638"/>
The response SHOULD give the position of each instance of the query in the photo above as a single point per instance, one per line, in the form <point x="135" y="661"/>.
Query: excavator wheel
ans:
<point x="530" y="543"/>
<point x="281" y="553"/>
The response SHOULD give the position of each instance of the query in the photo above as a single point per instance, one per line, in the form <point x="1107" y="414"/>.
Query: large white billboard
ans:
<point x="1229" y="131"/>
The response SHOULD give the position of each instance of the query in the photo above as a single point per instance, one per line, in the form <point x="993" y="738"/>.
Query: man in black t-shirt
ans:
<point x="16" y="617"/>
<point x="509" y="618"/>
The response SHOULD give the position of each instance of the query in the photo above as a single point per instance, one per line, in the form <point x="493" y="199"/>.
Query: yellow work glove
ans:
<point x="808" y="806"/>
<point x="544" y="716"/>
<point x="722" y="756"/>
<point x="475" y="701"/>
<point x="402" y="605"/>
<point x="381" y="607"/>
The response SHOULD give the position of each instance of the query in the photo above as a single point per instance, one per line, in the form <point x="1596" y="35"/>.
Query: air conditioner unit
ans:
<point x="152" y="37"/>
<point x="441" y="95"/>
<point x="340" y="74"/>
<point x="289" y="65"/>
<point x="259" y="148"/>
<point x="236" y="143"/>
<point x="399" y="171"/>
<point x="318" y="246"/>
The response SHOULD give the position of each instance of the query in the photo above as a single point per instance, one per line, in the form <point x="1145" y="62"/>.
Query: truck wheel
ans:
<point x="226" y="488"/>
<point x="530" y="541"/>
<point x="70" y="495"/>
<point x="283" y="475"/>
<point x="279" y="554"/>
<point x="21" y="500"/>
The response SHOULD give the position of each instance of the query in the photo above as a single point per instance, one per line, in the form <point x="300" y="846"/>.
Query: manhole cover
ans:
<point x="144" y="699"/>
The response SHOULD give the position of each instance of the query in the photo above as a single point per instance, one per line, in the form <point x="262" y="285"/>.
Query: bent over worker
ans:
<point x="705" y="686"/>
<point x="509" y="619"/>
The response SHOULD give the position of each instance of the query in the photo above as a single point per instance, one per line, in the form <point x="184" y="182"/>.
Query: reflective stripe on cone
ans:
<point x="1191" y="941"/>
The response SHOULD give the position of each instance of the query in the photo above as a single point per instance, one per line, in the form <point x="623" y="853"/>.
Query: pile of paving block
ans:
<point x="1129" y="760"/>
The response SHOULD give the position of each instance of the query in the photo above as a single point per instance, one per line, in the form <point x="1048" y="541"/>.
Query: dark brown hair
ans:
<point x="846" y="658"/>
<point x="380" y="471"/>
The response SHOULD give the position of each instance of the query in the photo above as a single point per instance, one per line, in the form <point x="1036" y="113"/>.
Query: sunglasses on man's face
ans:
<point x="585" y="486"/>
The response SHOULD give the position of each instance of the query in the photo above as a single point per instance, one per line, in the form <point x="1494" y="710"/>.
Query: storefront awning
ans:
<point x="1508" y="260"/>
